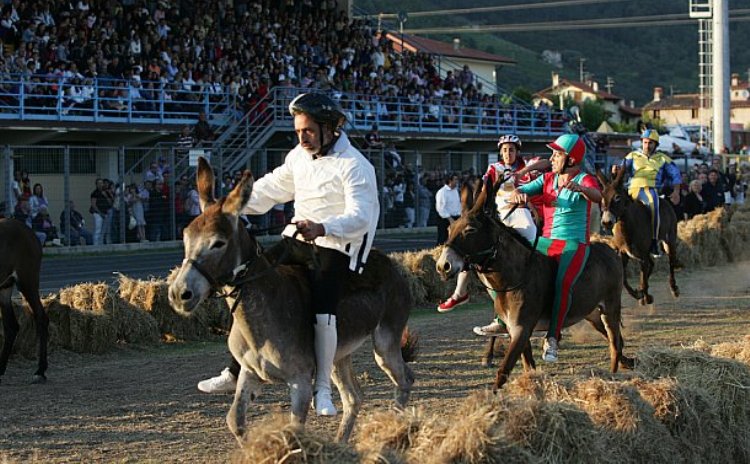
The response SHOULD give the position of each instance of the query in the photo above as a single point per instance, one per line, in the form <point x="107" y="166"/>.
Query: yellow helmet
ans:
<point x="651" y="134"/>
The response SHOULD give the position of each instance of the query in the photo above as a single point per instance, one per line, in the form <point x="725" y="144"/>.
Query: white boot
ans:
<point x="325" y="351"/>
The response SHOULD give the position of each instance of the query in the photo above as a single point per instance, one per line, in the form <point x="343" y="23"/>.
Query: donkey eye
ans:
<point x="218" y="244"/>
<point x="617" y="198"/>
<point x="470" y="229"/>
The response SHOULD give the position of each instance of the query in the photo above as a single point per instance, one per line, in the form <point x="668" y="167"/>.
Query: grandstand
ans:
<point x="95" y="88"/>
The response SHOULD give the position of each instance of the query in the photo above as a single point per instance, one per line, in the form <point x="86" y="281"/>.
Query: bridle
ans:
<point x="490" y="255"/>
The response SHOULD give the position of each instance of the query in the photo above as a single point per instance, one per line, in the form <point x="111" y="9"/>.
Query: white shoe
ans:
<point x="325" y="351"/>
<point x="493" y="328"/>
<point x="550" y="350"/>
<point x="225" y="382"/>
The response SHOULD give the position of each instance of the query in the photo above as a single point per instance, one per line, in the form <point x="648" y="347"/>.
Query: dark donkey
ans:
<point x="272" y="331"/>
<point x="522" y="278"/>
<point x="630" y="221"/>
<point x="20" y="262"/>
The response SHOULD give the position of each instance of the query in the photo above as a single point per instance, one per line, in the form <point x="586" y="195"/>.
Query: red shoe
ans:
<point x="451" y="303"/>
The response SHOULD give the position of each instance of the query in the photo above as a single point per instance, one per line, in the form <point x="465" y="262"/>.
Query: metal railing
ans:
<point x="42" y="98"/>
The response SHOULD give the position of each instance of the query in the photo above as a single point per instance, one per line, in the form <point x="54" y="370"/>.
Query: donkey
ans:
<point x="272" y="329"/>
<point x="522" y="278"/>
<point x="630" y="221"/>
<point x="20" y="262"/>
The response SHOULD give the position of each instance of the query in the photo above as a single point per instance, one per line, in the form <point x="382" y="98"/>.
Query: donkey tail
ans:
<point x="409" y="345"/>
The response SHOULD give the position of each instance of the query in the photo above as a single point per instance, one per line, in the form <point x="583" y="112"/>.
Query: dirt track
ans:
<point x="136" y="405"/>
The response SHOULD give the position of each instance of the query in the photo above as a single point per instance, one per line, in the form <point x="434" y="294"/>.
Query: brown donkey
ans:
<point x="522" y="278"/>
<point x="630" y="221"/>
<point x="20" y="262"/>
<point x="272" y="331"/>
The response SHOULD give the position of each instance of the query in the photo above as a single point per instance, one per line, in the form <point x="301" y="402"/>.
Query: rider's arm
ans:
<point x="540" y="165"/>
<point x="273" y="188"/>
<point x="588" y="188"/>
<point x="532" y="188"/>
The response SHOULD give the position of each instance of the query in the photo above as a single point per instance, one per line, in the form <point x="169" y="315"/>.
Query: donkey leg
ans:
<point x="611" y="318"/>
<point x="489" y="352"/>
<point x="647" y="266"/>
<point x="519" y="339"/>
<point x="596" y="321"/>
<point x="248" y="389"/>
<point x="351" y="396"/>
<point x="672" y="254"/>
<point x="387" y="344"/>
<point x="10" y="327"/>
<point x="637" y="294"/>
<point x="528" y="358"/>
<point x="41" y="320"/>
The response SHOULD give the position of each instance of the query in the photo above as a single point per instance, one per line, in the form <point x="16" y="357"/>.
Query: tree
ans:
<point x="523" y="94"/>
<point x="593" y="114"/>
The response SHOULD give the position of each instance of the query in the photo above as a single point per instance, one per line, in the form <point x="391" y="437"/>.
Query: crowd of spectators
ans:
<point x="181" y="50"/>
<point x="708" y="187"/>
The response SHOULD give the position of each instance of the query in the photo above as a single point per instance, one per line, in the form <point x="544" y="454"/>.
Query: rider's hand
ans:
<point x="517" y="198"/>
<point x="574" y="187"/>
<point x="310" y="230"/>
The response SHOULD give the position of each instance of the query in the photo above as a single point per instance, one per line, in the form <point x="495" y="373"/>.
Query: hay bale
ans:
<point x="151" y="296"/>
<point x="739" y="351"/>
<point x="723" y="381"/>
<point x="132" y="325"/>
<point x="81" y="330"/>
<point x="392" y="433"/>
<point x="416" y="288"/>
<point x="625" y="421"/>
<point x="689" y="417"/>
<point x="26" y="342"/>
<point x="277" y="440"/>
<point x="701" y="239"/>
<point x="422" y="264"/>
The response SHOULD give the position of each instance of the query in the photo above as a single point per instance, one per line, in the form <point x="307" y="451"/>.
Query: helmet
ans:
<point x="570" y="144"/>
<point x="509" y="138"/>
<point x="320" y="107"/>
<point x="651" y="134"/>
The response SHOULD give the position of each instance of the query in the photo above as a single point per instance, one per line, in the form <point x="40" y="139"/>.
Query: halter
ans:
<point x="490" y="254"/>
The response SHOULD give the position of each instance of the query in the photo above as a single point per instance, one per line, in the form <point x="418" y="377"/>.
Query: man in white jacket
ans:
<point x="336" y="208"/>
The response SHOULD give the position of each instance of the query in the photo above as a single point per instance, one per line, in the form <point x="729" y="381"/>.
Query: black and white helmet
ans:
<point x="509" y="138"/>
<point x="320" y="107"/>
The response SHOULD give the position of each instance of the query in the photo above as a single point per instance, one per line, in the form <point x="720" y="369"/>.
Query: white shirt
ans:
<point x="338" y="190"/>
<point x="448" y="202"/>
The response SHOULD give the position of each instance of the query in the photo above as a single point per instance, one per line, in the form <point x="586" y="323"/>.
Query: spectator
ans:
<point x="134" y="201"/>
<point x="77" y="229"/>
<point x="202" y="130"/>
<point x="154" y="173"/>
<point x="694" y="202"/>
<point x="101" y="203"/>
<point x="409" y="204"/>
<point x="42" y="224"/>
<point x="713" y="191"/>
<point x="192" y="202"/>
<point x="157" y="214"/>
<point x="23" y="214"/>
<point x="37" y="201"/>
<point x="448" y="206"/>
<point x="184" y="143"/>
<point x="372" y="139"/>
<point x="424" y="198"/>
<point x="16" y="193"/>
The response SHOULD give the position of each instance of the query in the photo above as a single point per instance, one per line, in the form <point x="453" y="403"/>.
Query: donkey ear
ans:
<point x="490" y="190"/>
<point x="205" y="183"/>
<point x="601" y="178"/>
<point x="240" y="195"/>
<point x="619" y="177"/>
<point x="467" y="197"/>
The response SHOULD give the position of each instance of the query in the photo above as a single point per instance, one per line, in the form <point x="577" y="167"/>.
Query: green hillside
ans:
<point x="637" y="58"/>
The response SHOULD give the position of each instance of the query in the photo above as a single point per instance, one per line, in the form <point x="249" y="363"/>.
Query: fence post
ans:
<point x="220" y="178"/>
<point x="124" y="216"/>
<point x="381" y="183"/>
<point x="172" y="215"/>
<point x="66" y="193"/>
<point x="8" y="169"/>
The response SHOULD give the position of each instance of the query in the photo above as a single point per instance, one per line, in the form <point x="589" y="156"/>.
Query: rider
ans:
<point x="509" y="148"/>
<point x="336" y="215"/>
<point x="650" y="172"/>
<point x="567" y="195"/>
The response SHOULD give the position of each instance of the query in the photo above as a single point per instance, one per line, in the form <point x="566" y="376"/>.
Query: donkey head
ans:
<point x="470" y="237"/>
<point x="214" y="242"/>
<point x="614" y="198"/>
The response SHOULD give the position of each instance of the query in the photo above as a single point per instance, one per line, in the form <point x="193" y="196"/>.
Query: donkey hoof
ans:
<point x="649" y="299"/>
<point x="627" y="363"/>
<point x="676" y="291"/>
<point x="38" y="379"/>
<point x="486" y="362"/>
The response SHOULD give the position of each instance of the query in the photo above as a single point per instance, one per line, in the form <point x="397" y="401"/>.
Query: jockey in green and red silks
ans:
<point x="567" y="196"/>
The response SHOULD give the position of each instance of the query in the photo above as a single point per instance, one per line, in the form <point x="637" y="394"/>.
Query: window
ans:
<point x="694" y="113"/>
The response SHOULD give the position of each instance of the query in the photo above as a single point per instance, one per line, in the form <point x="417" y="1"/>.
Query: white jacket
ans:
<point x="338" y="190"/>
<point x="448" y="202"/>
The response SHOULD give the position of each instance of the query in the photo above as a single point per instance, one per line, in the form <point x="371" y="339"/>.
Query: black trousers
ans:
<point x="327" y="271"/>
<point x="442" y="229"/>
